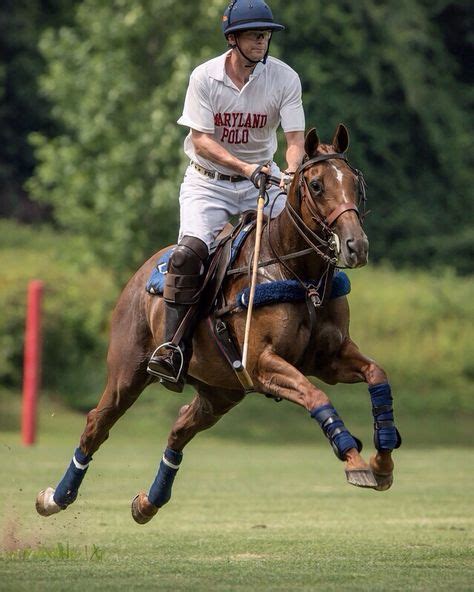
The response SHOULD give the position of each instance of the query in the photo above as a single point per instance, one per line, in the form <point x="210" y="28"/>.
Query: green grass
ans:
<point x="245" y="515"/>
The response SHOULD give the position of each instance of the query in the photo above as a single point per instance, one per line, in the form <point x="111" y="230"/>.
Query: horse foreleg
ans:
<point x="277" y="377"/>
<point x="353" y="366"/>
<point x="202" y="413"/>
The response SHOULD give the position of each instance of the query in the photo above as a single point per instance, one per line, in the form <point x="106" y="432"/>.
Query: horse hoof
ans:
<point x="142" y="509"/>
<point x="384" y="480"/>
<point x="45" y="504"/>
<point x="361" y="478"/>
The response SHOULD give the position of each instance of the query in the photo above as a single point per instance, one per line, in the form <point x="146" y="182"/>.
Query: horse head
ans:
<point x="325" y="195"/>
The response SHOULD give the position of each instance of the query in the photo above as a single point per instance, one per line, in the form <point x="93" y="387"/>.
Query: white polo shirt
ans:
<point x="243" y="121"/>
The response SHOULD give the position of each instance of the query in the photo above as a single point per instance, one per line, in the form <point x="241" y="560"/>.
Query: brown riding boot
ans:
<point x="169" y="361"/>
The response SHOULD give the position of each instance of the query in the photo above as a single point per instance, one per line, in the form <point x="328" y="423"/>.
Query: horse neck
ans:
<point x="285" y="239"/>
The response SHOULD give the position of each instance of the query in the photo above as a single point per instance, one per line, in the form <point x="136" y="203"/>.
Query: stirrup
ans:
<point x="164" y="377"/>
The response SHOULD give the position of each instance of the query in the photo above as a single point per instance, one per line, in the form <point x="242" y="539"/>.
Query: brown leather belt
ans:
<point x="218" y="176"/>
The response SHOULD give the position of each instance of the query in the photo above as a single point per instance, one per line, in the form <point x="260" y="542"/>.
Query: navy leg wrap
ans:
<point x="334" y="429"/>
<point x="68" y="487"/>
<point x="160" y="491"/>
<point x="386" y="435"/>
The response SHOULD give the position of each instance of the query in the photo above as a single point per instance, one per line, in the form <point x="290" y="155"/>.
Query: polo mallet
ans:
<point x="256" y="254"/>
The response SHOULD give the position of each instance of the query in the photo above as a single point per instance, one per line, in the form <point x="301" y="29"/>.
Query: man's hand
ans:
<point x="286" y="180"/>
<point x="253" y="172"/>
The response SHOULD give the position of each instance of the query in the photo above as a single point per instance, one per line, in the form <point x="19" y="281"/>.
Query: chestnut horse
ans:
<point x="287" y="342"/>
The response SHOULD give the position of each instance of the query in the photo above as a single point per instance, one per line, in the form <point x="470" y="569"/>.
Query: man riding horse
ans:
<point x="233" y="107"/>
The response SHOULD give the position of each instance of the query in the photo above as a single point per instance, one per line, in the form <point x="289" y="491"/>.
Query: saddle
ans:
<point x="223" y="253"/>
<point x="211" y="305"/>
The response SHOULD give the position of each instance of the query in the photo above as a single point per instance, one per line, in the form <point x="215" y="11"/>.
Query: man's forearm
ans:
<point x="209" y="149"/>
<point x="294" y="157"/>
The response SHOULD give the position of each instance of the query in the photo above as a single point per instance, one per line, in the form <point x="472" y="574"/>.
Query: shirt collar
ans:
<point x="216" y="69"/>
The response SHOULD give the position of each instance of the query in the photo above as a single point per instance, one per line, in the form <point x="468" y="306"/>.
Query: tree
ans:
<point x="384" y="69"/>
<point x="22" y="108"/>
<point x="389" y="70"/>
<point x="117" y="79"/>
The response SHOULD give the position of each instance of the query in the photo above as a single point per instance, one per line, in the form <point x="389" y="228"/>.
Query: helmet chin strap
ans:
<point x="252" y="63"/>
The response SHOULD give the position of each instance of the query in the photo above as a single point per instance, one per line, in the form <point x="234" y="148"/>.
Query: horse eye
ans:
<point x="316" y="186"/>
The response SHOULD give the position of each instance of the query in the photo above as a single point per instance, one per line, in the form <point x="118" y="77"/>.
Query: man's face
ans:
<point x="254" y="44"/>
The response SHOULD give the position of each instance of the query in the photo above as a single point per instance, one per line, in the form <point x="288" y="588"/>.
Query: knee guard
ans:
<point x="184" y="276"/>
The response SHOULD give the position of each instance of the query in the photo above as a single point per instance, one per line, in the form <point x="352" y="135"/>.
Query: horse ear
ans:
<point x="311" y="142"/>
<point x="341" y="139"/>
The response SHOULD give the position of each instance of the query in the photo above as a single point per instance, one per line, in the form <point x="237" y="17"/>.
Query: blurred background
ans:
<point x="91" y="160"/>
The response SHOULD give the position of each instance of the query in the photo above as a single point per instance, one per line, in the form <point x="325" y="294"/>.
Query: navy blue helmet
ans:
<point x="244" y="15"/>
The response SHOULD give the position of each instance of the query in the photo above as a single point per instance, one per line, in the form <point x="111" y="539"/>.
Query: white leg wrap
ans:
<point x="78" y="465"/>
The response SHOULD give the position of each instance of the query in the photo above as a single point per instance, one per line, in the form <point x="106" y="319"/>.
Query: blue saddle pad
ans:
<point x="290" y="291"/>
<point x="156" y="281"/>
<point x="269" y="293"/>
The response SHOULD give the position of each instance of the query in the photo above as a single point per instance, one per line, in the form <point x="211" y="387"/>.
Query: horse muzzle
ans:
<point x="354" y="251"/>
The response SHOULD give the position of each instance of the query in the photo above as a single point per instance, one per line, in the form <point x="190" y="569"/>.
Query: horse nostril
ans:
<point x="351" y="245"/>
<point x="356" y="249"/>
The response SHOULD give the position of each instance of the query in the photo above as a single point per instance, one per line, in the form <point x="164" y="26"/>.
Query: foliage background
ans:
<point x="102" y="84"/>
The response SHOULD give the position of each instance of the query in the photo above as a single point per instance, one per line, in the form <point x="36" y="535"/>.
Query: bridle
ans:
<point x="304" y="194"/>
<point x="325" y="246"/>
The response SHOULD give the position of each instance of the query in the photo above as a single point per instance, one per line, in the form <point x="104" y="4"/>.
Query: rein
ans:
<point x="268" y="262"/>
<point x="325" y="248"/>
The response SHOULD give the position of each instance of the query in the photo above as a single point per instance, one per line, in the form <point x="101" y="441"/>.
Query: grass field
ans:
<point x="253" y="516"/>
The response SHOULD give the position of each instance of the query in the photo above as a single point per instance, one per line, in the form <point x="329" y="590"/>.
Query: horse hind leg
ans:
<point x="125" y="383"/>
<point x="203" y="412"/>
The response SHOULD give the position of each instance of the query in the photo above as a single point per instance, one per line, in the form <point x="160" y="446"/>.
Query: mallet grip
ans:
<point x="243" y="376"/>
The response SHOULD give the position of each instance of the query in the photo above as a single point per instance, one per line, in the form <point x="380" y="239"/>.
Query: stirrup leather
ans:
<point x="167" y="346"/>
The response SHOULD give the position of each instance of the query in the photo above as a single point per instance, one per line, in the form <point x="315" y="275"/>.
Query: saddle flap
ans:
<point x="225" y="254"/>
<point x="222" y="236"/>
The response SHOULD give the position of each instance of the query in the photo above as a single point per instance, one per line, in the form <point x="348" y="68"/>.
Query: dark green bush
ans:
<point x="77" y="301"/>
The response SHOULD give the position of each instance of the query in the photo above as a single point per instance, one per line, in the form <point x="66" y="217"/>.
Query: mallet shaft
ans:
<point x="256" y="255"/>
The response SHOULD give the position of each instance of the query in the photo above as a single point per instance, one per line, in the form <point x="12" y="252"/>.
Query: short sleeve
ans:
<point x="291" y="111"/>
<point x="197" y="112"/>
